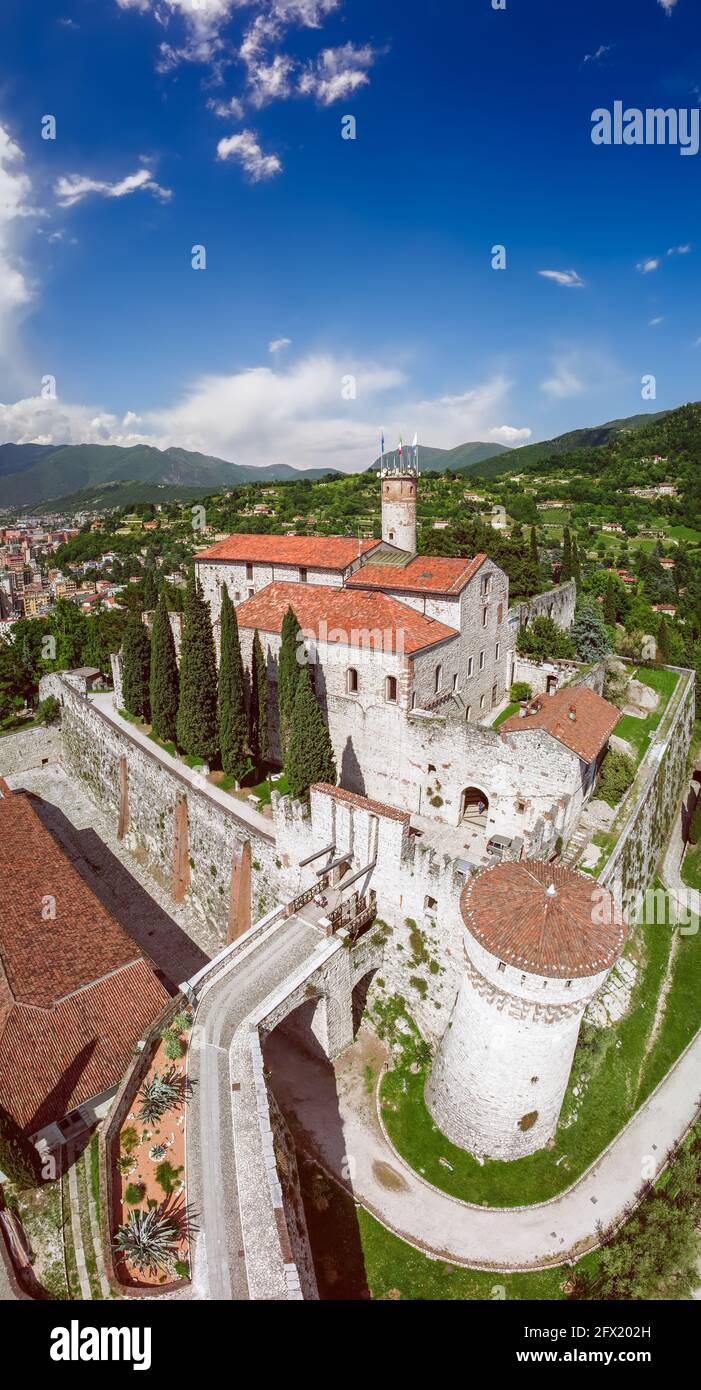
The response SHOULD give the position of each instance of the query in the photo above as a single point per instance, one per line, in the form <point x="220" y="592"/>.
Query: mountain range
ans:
<point x="98" y="476"/>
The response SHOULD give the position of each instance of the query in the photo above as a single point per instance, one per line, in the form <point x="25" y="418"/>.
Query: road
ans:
<point x="336" y="1119"/>
<point x="219" y="1269"/>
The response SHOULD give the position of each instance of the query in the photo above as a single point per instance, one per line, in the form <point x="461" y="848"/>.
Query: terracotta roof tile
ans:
<point x="377" y="808"/>
<point x="439" y="574"/>
<point x="593" y="723"/>
<point x="351" y="616"/>
<point x="313" y="552"/>
<point x="75" y="991"/>
<point x="513" y="912"/>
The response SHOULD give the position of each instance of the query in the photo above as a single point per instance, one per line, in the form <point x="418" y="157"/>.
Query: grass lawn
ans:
<point x="40" y="1212"/>
<point x="638" y="732"/>
<point x="684" y="533"/>
<point x="691" y="867"/>
<point x="357" y="1258"/>
<point x="505" y="714"/>
<point x="614" y="1069"/>
<point x="264" y="788"/>
<point x="14" y="726"/>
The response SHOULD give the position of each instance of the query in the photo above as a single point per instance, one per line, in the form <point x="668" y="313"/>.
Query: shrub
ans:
<point x="168" y="1177"/>
<point x="182" y="1269"/>
<point x="149" y="1239"/>
<point x="181" y="1022"/>
<point x="173" y="1045"/>
<point x="157" y="1095"/>
<point x="616" y="776"/>
<point x="48" y="710"/>
<point x="19" y="1160"/>
<point x="134" y="1194"/>
<point x="129" y="1139"/>
<point x="520" y="690"/>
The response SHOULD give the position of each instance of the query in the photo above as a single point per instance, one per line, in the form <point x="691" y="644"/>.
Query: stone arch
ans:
<point x="471" y="799"/>
<point x="359" y="997"/>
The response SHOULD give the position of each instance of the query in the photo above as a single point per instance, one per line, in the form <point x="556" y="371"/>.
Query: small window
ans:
<point x="481" y="661"/>
<point x="468" y="712"/>
<point x="351" y="681"/>
<point x="568" y="984"/>
<point x="484" y="616"/>
<point x="430" y="904"/>
<point x="534" y="1080"/>
<point x="391" y="535"/>
<point x="481" y="701"/>
<point x="497" y="650"/>
<point x="520" y="806"/>
<point x="413" y="699"/>
<point x="500" y="613"/>
<point x="502" y="967"/>
<point x="470" y="665"/>
<point x="249" y="571"/>
<point x="302" y="576"/>
<point x="391" y="690"/>
<point x="251" y="592"/>
<point x="430" y="768"/>
<point x="455" y="681"/>
<point x="438" y="679"/>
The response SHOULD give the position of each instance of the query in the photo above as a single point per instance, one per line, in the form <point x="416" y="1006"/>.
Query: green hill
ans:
<point x="591" y="438"/>
<point x="462" y="456"/>
<point x="31" y="473"/>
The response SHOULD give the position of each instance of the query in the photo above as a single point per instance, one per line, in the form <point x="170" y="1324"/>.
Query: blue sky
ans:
<point x="218" y="123"/>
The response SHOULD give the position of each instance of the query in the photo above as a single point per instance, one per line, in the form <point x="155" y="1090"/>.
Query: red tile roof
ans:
<point x="349" y="615"/>
<point x="586" y="734"/>
<point x="76" y="993"/>
<point x="544" y="919"/>
<point x="437" y="573"/>
<point x="376" y="808"/>
<point x="312" y="552"/>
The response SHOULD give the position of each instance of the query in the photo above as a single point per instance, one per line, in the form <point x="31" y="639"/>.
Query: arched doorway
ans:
<point x="474" y="806"/>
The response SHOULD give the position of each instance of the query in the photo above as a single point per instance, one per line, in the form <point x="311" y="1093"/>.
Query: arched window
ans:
<point x="438" y="679"/>
<point x="351" y="681"/>
<point x="391" y="690"/>
<point x="391" y="535"/>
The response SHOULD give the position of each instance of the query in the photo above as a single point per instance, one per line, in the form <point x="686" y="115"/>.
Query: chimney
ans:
<point x="572" y="713"/>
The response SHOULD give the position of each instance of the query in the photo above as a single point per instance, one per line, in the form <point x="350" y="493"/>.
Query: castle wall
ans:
<point x="158" y="801"/>
<point x="29" y="748"/>
<point x="558" y="604"/>
<point x="212" y="574"/>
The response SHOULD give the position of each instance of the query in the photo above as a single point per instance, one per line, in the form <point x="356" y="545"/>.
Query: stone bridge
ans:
<point x="251" y="1239"/>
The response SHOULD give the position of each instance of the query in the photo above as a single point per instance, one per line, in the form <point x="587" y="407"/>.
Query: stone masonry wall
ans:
<point x="106" y="759"/>
<point x="29" y="748"/>
<point x="654" y="797"/>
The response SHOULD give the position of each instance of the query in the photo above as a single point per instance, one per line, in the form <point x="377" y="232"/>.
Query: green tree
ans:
<point x="233" y="724"/>
<point x="150" y="590"/>
<point x="288" y="675"/>
<point x="309" y="755"/>
<point x="165" y="681"/>
<point x="197" y="709"/>
<point x="576" y="565"/>
<point x="610" y="603"/>
<point x="69" y="626"/>
<point x="663" y="640"/>
<point x="566" y="567"/>
<point x="544" y="640"/>
<point x="258" y="735"/>
<point x="136" y="668"/>
<point x="535" y="559"/>
<point x="588" y="632"/>
<point x="18" y="1158"/>
<point x="16" y="681"/>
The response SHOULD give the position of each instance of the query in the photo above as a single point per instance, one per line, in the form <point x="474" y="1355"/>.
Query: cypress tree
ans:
<point x="566" y="571"/>
<point x="18" y="1158"/>
<point x="534" y="548"/>
<point x="576" y="567"/>
<point x="310" y="755"/>
<point x="610" y="603"/>
<point x="663" y="640"/>
<point x="165" y="681"/>
<point x="197" y="707"/>
<point x="258" y="737"/>
<point x="233" y="725"/>
<point x="150" y="591"/>
<point x="136" y="668"/>
<point x="289" y="670"/>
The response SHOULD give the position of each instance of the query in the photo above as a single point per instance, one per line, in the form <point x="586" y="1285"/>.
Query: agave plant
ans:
<point x="148" y="1240"/>
<point x="157" y="1152"/>
<point x="158" y="1094"/>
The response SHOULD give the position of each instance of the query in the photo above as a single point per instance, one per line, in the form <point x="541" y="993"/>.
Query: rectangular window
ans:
<point x="497" y="650"/>
<point x="481" y="701"/>
<point x="484" y="616"/>
<point x="500" y="613"/>
<point x="249" y="571"/>
<point x="455" y="681"/>
<point x="470" y="665"/>
<point x="302" y="575"/>
<point x="251" y="592"/>
<point x="481" y="661"/>
<point x="468" y="712"/>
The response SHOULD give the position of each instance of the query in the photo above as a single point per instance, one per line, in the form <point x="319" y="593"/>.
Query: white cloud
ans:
<point x="646" y="267"/>
<point x="679" y="250"/>
<point x="270" y="81"/>
<point x="600" y="53"/>
<point x="227" y="109"/>
<point x="654" y="322"/>
<point x="245" y="148"/>
<point x="298" y="415"/>
<point x="564" y="382"/>
<point x="337" y="73"/>
<point x="278" y="344"/>
<point x="72" y="188"/>
<point x="569" y="278"/>
<point x="16" y="207"/>
<point x="667" y="5"/>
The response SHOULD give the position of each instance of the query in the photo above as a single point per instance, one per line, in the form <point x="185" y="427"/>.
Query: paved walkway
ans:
<point x="240" y="810"/>
<point x="338" y="1121"/>
<point x="219" y="1270"/>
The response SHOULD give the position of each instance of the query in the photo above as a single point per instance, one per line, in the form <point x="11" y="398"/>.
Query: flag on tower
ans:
<point x="401" y="446"/>
<point x="415" y="447"/>
<point x="382" y="443"/>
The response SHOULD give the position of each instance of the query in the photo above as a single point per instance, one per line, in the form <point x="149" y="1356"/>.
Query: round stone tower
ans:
<point x="399" y="488"/>
<point x="539" y="942"/>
